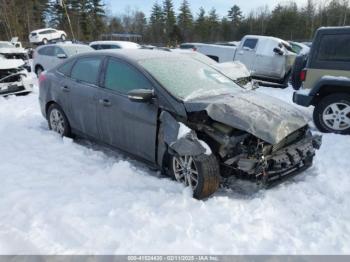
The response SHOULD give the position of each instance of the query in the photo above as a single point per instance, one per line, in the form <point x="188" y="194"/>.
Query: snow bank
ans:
<point x="59" y="196"/>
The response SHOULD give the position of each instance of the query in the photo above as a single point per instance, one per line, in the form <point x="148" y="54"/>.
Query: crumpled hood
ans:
<point x="263" y="116"/>
<point x="10" y="63"/>
<point x="13" y="50"/>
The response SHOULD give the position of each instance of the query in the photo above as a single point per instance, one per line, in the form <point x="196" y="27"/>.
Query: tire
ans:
<point x="38" y="70"/>
<point x="45" y="41"/>
<point x="331" y="112"/>
<point x="58" y="121"/>
<point x="208" y="174"/>
<point x="299" y="65"/>
<point x="63" y="38"/>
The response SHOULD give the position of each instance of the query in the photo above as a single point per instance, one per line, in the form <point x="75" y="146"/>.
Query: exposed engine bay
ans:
<point x="244" y="155"/>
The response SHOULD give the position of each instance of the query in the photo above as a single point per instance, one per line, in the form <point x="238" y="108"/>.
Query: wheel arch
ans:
<point x="327" y="86"/>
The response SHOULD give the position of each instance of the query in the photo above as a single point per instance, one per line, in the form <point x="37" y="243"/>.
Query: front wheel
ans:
<point x="201" y="173"/>
<point x="45" y="41"/>
<point x="332" y="114"/>
<point x="58" y="121"/>
<point x="63" y="38"/>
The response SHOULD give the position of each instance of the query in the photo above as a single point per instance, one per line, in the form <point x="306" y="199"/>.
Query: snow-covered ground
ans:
<point x="59" y="196"/>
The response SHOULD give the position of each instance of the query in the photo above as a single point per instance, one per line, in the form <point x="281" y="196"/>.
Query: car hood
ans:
<point x="10" y="63"/>
<point x="14" y="50"/>
<point x="263" y="116"/>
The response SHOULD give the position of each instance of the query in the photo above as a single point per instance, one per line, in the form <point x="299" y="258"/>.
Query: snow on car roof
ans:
<point x="43" y="29"/>
<point x="142" y="54"/>
<point x="123" y="44"/>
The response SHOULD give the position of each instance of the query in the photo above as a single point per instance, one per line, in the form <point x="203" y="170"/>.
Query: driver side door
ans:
<point x="129" y="126"/>
<point x="247" y="53"/>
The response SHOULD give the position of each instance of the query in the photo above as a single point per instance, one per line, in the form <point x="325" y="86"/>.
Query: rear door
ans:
<point x="46" y="58"/>
<point x="127" y="125"/>
<point x="82" y="87"/>
<point x="246" y="54"/>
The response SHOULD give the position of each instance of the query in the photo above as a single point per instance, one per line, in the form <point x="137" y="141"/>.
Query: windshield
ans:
<point x="187" y="78"/>
<point x="73" y="50"/>
<point x="6" y="45"/>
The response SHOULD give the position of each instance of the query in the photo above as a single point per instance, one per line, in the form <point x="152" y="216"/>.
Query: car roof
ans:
<point x="125" y="44"/>
<point x="43" y="29"/>
<point x="61" y="45"/>
<point x="134" y="55"/>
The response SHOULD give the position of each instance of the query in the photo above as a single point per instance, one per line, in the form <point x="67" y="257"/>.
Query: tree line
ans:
<point x="167" y="26"/>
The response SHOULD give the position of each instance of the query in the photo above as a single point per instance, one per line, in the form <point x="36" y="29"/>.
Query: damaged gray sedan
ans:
<point x="178" y="115"/>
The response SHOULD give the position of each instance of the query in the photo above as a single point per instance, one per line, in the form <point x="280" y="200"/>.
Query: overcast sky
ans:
<point x="222" y="6"/>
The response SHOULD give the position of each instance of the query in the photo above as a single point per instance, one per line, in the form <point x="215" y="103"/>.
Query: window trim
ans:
<point x="103" y="75"/>
<point x="250" y="38"/>
<point x="97" y="84"/>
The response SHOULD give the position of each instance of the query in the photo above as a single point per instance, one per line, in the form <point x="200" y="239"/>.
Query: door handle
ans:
<point x="65" y="88"/>
<point x="105" y="102"/>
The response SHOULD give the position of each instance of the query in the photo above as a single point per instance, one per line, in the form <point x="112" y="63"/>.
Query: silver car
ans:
<point x="48" y="56"/>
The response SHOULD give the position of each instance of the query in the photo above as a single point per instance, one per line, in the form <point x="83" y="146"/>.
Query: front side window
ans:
<point x="334" y="48"/>
<point x="122" y="78"/>
<point x="66" y="68"/>
<point x="187" y="78"/>
<point x="59" y="51"/>
<point x="250" y="43"/>
<point x="87" y="69"/>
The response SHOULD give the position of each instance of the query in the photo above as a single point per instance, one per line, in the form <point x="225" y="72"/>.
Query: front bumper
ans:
<point x="290" y="161"/>
<point x="15" y="88"/>
<point x="302" y="99"/>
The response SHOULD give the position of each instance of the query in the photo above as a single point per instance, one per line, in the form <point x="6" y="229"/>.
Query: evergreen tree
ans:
<point x="213" y="25"/>
<point x="185" y="21"/>
<point x="157" y="26"/>
<point x="236" y="17"/>
<point x="201" y="26"/>
<point x="170" y="21"/>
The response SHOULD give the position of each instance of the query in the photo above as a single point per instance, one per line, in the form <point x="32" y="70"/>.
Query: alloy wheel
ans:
<point x="57" y="122"/>
<point x="336" y="116"/>
<point x="185" y="171"/>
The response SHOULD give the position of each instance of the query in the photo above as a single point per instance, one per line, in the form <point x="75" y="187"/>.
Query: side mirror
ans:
<point x="141" y="95"/>
<point x="278" y="51"/>
<point x="61" y="56"/>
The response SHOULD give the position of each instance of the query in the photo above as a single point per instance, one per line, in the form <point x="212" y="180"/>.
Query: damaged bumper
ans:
<point x="290" y="161"/>
<point x="14" y="84"/>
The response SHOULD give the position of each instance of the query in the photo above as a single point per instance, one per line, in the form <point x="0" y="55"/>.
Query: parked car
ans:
<point x="179" y="115"/>
<point x="44" y="36"/>
<point x="267" y="58"/>
<point x="326" y="80"/>
<point x="12" y="77"/>
<point x="299" y="48"/>
<point x="102" y="45"/>
<point x="48" y="56"/>
<point x="9" y="51"/>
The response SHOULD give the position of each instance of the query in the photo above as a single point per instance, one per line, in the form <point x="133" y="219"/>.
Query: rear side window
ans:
<point x="96" y="47"/>
<point x="122" y="78"/>
<point x="66" y="68"/>
<point x="334" y="48"/>
<point x="250" y="43"/>
<point x="110" y="47"/>
<point x="48" y="51"/>
<point x="87" y="69"/>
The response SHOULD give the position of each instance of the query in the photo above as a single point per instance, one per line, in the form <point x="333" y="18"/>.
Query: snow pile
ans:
<point x="59" y="196"/>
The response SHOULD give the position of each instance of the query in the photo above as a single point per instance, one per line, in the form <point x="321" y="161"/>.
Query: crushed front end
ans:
<point x="248" y="157"/>
<point x="12" y="81"/>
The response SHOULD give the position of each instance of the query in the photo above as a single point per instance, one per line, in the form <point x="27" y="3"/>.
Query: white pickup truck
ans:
<point x="267" y="58"/>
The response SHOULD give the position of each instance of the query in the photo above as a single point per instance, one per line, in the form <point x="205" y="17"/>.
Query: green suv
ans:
<point x="326" y="80"/>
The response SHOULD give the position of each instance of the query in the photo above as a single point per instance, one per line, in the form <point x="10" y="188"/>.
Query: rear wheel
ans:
<point x="332" y="114"/>
<point x="201" y="173"/>
<point x="63" y="38"/>
<point x="58" y="121"/>
<point x="38" y="70"/>
<point x="45" y="41"/>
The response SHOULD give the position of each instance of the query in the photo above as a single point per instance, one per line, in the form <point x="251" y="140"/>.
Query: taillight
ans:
<point x="42" y="78"/>
<point x="303" y="75"/>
